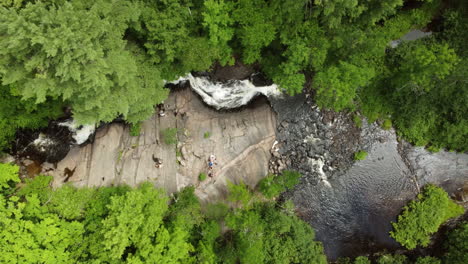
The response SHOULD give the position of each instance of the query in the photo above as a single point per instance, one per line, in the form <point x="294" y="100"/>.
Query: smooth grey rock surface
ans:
<point x="241" y="141"/>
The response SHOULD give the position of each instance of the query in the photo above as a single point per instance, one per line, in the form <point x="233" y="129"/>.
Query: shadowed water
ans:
<point x="353" y="214"/>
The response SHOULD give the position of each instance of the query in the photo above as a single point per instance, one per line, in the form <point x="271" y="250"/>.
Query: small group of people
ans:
<point x="158" y="163"/>
<point x="211" y="163"/>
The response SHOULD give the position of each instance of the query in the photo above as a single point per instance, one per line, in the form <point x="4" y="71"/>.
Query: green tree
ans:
<point x="217" y="19"/>
<point x="265" y="234"/>
<point x="8" y="176"/>
<point x="68" y="202"/>
<point x="273" y="185"/>
<point x="427" y="260"/>
<point x="239" y="194"/>
<point x="29" y="234"/>
<point x="16" y="113"/>
<point x="39" y="186"/>
<point x="133" y="221"/>
<point x="336" y="86"/>
<point x="306" y="50"/>
<point x="255" y="29"/>
<point x="421" y="65"/>
<point x="210" y="232"/>
<point x="362" y="260"/>
<point x="248" y="242"/>
<point x="140" y="225"/>
<point x="392" y="259"/>
<point x="457" y="245"/>
<point x="422" y="217"/>
<point x="185" y="208"/>
<point x="83" y="60"/>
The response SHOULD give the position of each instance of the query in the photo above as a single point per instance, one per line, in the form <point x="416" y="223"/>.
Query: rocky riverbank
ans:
<point x="351" y="203"/>
<point x="240" y="139"/>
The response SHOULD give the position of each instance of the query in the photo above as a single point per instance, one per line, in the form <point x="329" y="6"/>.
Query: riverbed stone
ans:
<point x="241" y="141"/>
<point x="6" y="158"/>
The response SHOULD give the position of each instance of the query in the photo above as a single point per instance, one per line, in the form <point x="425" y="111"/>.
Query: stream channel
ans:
<point x="349" y="204"/>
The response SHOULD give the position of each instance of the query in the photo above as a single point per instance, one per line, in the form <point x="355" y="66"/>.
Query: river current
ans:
<point x="349" y="204"/>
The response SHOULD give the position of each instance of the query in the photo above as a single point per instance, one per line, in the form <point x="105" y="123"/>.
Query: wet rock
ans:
<point x="46" y="166"/>
<point x="7" y="158"/>
<point x="50" y="144"/>
<point x="27" y="162"/>
<point x="238" y="71"/>
<point x="351" y="204"/>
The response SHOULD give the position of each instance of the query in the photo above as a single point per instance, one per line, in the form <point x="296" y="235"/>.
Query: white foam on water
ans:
<point x="229" y="95"/>
<point x="317" y="166"/>
<point x="42" y="142"/>
<point x="81" y="133"/>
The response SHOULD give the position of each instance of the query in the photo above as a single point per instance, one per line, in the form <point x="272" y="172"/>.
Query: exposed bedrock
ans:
<point x="241" y="141"/>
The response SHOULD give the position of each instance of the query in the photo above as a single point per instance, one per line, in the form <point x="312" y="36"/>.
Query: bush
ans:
<point x="39" y="185"/>
<point x="357" y="120"/>
<point x="239" y="194"/>
<point x="427" y="260"/>
<point x="202" y="177"/>
<point x="135" y="129"/>
<point x="392" y="259"/>
<point x="207" y="135"/>
<point x="422" y="217"/>
<point x="387" y="124"/>
<point x="273" y="185"/>
<point x="360" y="155"/>
<point x="8" y="176"/>
<point x="216" y="211"/>
<point x="169" y="136"/>
<point x="362" y="260"/>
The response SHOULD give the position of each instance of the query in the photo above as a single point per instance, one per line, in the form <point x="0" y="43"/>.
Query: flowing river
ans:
<point x="349" y="204"/>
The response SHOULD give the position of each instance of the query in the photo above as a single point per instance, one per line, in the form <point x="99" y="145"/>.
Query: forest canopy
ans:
<point x="108" y="59"/>
<point x="144" y="225"/>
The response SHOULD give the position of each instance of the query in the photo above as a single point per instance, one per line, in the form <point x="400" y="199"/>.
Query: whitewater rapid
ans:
<point x="80" y="133"/>
<point x="229" y="95"/>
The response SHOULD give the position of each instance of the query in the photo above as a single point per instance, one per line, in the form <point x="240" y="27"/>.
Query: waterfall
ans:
<point x="42" y="142"/>
<point x="229" y="95"/>
<point x="80" y="133"/>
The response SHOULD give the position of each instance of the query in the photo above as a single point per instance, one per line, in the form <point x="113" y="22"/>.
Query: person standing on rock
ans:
<point x="212" y="160"/>
<point x="211" y="163"/>
<point x="162" y="110"/>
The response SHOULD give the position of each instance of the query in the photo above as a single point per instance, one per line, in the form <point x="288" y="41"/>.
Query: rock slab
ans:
<point x="241" y="141"/>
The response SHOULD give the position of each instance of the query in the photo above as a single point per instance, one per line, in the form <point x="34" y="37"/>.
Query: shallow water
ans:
<point x="352" y="215"/>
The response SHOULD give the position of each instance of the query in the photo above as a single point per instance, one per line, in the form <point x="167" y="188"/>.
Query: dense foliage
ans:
<point x="422" y="217"/>
<point x="273" y="185"/>
<point x="92" y="54"/>
<point x="457" y="245"/>
<point x="144" y="225"/>
<point x="16" y="113"/>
